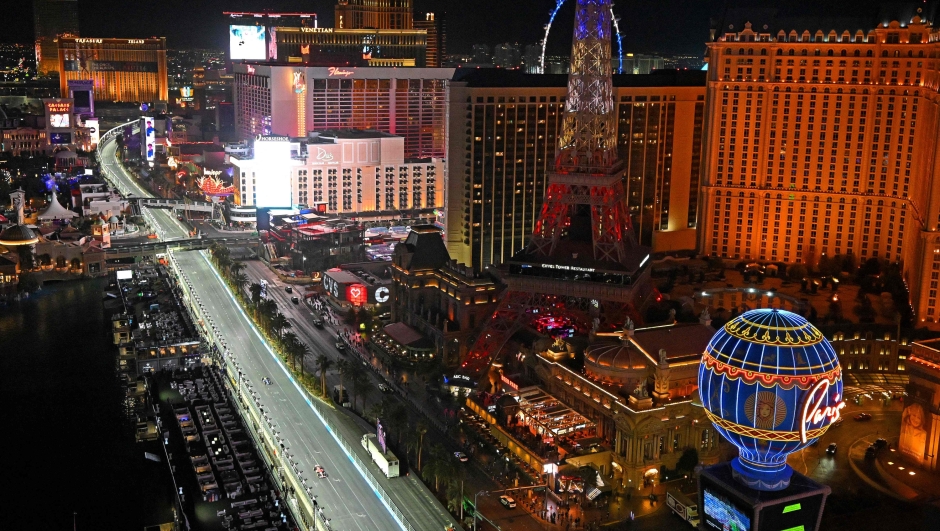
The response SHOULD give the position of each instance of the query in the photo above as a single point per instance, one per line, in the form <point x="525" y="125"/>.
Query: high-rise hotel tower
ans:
<point x="823" y="142"/>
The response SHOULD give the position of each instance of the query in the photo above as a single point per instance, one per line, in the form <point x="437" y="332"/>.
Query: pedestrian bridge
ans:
<point x="176" y="204"/>
<point x="151" y="249"/>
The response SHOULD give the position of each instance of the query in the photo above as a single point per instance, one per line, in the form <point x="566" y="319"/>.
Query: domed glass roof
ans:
<point x="615" y="356"/>
<point x="18" y="235"/>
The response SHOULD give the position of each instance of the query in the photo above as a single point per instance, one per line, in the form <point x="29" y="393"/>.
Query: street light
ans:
<point x="476" y="510"/>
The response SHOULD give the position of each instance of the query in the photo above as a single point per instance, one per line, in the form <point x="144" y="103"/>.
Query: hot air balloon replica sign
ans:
<point x="771" y="384"/>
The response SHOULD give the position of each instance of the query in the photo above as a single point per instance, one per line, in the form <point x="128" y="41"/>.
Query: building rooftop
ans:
<point x="773" y="20"/>
<point x="500" y="78"/>
<point x="350" y="134"/>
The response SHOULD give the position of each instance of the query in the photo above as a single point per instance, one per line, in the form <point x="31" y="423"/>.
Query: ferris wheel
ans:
<point x="548" y="27"/>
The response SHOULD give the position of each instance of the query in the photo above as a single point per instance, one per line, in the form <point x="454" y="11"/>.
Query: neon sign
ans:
<point x="814" y="413"/>
<point x="335" y="72"/>
<point x="59" y="107"/>
<point x="90" y="41"/>
<point x="356" y="294"/>
<point x="316" y="30"/>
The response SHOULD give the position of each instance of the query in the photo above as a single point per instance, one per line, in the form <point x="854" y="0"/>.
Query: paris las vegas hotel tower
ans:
<point x="824" y="142"/>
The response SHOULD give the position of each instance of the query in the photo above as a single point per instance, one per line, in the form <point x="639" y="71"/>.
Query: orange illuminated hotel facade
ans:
<point x="123" y="70"/>
<point x="824" y="142"/>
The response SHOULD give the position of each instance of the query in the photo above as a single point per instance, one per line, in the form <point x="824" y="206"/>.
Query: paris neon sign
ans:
<point x="813" y="410"/>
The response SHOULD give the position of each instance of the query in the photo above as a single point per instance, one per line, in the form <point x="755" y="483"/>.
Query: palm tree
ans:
<point x="324" y="363"/>
<point x="279" y="323"/>
<point x="289" y="343"/>
<point x="301" y="350"/>
<point x="236" y="268"/>
<point x="266" y="310"/>
<point x="421" y="429"/>
<point x="240" y="281"/>
<point x="363" y="386"/>
<point x="255" y="290"/>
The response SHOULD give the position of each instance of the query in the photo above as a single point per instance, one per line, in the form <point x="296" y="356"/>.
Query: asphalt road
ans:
<point x="164" y="221"/>
<point x="323" y="340"/>
<point x="346" y="496"/>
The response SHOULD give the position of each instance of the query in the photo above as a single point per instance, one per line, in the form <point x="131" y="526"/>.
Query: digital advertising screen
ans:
<point x="148" y="138"/>
<point x="60" y="138"/>
<point x="273" y="173"/>
<point x="247" y="42"/>
<point x="93" y="130"/>
<point x="59" y="121"/>
<point x="721" y="513"/>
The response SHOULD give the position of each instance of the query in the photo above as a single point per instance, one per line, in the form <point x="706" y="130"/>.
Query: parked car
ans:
<point x="832" y="449"/>
<point x="862" y="417"/>
<point x="340" y="346"/>
<point x="288" y="289"/>
<point x="462" y="457"/>
<point x="507" y="502"/>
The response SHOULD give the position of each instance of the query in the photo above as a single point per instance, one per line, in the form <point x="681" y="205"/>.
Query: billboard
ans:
<point x="273" y="174"/>
<point x="91" y="125"/>
<point x="147" y="138"/>
<point x="60" y="138"/>
<point x="247" y="42"/>
<point x="82" y="93"/>
<point x="380" y="435"/>
<point x="724" y="514"/>
<point x="356" y="294"/>
<point x="58" y="113"/>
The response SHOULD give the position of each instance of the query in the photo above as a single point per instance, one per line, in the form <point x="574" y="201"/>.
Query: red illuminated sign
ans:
<point x="356" y="294"/>
<point x="59" y="107"/>
<point x="335" y="72"/>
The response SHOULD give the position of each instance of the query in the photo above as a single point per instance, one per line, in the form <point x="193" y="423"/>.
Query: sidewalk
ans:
<point x="892" y="474"/>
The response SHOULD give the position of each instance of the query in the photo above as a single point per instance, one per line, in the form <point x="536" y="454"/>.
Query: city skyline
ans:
<point x="340" y="287"/>
<point x="486" y="22"/>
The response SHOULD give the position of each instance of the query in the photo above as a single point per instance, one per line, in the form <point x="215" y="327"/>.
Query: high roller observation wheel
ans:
<point x="548" y="27"/>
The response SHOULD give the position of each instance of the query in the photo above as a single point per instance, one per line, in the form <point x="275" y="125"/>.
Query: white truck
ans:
<point x="682" y="504"/>
<point x="386" y="461"/>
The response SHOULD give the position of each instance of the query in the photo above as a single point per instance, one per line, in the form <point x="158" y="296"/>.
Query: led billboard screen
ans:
<point x="247" y="42"/>
<point x="59" y="121"/>
<point x="148" y="138"/>
<point x="723" y="514"/>
<point x="272" y="176"/>
<point x="60" y="138"/>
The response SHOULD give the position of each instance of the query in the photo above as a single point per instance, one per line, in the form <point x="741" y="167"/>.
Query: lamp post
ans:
<point x="476" y="510"/>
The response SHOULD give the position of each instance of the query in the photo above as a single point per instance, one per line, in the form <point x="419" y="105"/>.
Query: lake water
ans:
<point x="68" y="447"/>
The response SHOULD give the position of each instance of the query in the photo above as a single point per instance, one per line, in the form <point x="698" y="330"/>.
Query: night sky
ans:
<point x="665" y="26"/>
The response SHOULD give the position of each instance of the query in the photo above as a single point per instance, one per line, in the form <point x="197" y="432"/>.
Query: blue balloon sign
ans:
<point x="771" y="384"/>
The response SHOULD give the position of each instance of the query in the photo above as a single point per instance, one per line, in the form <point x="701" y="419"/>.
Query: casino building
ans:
<point x="503" y="129"/>
<point x="293" y="100"/>
<point x="353" y="47"/>
<point x="123" y="70"/>
<point x="821" y="141"/>
<point x="361" y="174"/>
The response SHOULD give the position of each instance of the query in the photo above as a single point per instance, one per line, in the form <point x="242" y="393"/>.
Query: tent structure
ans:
<point x="55" y="210"/>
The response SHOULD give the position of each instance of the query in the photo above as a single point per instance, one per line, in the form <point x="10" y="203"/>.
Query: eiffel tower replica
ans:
<point x="583" y="267"/>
